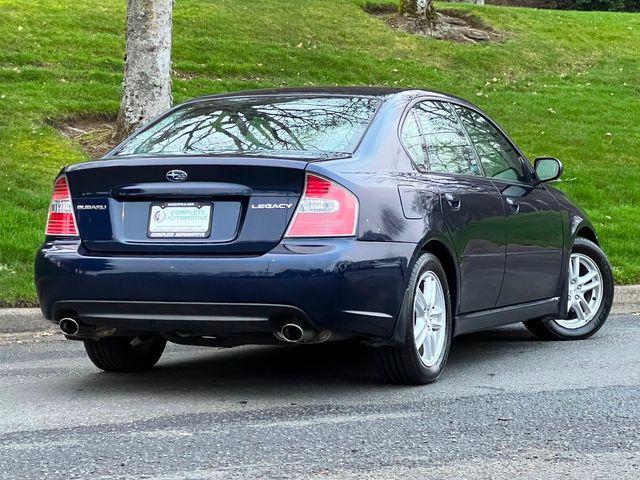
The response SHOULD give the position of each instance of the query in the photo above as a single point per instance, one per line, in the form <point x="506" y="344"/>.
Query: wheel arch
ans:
<point x="444" y="253"/>
<point x="447" y="259"/>
<point x="583" y="229"/>
<point x="586" y="231"/>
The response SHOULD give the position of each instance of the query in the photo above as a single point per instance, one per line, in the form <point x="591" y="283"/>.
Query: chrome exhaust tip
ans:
<point x="292" y="333"/>
<point x="69" y="326"/>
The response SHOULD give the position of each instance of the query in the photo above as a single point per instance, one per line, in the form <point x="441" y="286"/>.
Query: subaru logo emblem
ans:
<point x="176" y="175"/>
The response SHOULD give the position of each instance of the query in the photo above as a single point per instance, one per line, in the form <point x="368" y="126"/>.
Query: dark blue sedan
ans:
<point x="398" y="217"/>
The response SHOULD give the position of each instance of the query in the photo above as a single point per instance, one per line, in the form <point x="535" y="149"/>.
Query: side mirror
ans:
<point x="548" y="169"/>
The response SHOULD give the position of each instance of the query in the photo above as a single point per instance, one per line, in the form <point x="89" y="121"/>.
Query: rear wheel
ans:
<point x="590" y="296"/>
<point x="428" y="325"/>
<point x="125" y="354"/>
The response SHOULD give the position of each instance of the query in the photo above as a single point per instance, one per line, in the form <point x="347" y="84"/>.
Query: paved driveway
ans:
<point x="508" y="406"/>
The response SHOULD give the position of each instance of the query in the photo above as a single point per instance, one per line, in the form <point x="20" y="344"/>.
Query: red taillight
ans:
<point x="61" y="220"/>
<point x="326" y="209"/>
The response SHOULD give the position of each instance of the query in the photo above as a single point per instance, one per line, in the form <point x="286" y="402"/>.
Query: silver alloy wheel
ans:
<point x="585" y="291"/>
<point x="429" y="319"/>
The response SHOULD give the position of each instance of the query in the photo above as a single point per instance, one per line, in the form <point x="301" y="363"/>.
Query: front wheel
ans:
<point x="427" y="320"/>
<point x="125" y="354"/>
<point x="590" y="296"/>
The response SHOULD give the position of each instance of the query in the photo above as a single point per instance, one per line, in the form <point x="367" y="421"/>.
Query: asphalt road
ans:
<point x="508" y="406"/>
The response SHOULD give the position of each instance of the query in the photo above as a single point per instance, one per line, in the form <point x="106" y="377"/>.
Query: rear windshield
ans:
<point x="297" y="126"/>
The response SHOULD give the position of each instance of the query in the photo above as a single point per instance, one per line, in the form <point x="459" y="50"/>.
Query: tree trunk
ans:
<point x="147" y="69"/>
<point x="421" y="10"/>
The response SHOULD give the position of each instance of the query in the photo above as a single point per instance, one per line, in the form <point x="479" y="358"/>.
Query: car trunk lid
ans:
<point x="199" y="205"/>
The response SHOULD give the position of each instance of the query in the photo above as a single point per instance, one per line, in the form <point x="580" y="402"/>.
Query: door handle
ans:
<point x="514" y="206"/>
<point x="453" y="201"/>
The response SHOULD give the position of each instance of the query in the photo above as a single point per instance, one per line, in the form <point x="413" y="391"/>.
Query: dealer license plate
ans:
<point x="180" y="220"/>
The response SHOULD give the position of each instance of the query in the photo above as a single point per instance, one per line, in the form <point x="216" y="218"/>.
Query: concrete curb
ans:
<point x="627" y="299"/>
<point x="19" y="320"/>
<point x="22" y="320"/>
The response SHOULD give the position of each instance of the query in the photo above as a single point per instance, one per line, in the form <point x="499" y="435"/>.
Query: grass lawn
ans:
<point x="564" y="83"/>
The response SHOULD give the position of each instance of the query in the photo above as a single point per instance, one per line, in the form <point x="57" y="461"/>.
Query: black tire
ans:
<point x="125" y="354"/>
<point x="550" y="329"/>
<point x="402" y="364"/>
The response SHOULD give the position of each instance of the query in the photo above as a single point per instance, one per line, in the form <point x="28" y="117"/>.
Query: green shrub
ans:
<point x="606" y="5"/>
<point x="617" y="5"/>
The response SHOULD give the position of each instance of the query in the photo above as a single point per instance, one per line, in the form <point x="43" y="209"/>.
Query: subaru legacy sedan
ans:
<point x="400" y="218"/>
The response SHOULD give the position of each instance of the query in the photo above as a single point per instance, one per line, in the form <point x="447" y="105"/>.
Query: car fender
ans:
<point x="426" y="245"/>
<point x="575" y="221"/>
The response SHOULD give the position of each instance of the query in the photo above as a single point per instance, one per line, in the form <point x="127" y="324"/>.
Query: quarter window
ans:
<point x="448" y="147"/>
<point x="499" y="159"/>
<point x="413" y="141"/>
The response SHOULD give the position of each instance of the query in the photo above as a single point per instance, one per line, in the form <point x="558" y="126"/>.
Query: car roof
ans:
<point x="366" y="91"/>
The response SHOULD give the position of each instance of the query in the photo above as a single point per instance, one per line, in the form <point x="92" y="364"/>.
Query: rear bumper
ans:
<point x="334" y="284"/>
<point x="198" y="318"/>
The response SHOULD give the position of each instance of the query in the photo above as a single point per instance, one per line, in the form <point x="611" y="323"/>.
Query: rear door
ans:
<point x="534" y="222"/>
<point x="195" y="205"/>
<point x="472" y="205"/>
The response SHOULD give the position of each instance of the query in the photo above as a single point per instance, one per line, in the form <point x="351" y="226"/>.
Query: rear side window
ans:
<point x="414" y="142"/>
<point x="499" y="159"/>
<point x="258" y="125"/>
<point x="447" y="145"/>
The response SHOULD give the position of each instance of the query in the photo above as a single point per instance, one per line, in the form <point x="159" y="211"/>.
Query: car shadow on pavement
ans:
<point x="272" y="371"/>
<point x="490" y="345"/>
<point x="250" y="372"/>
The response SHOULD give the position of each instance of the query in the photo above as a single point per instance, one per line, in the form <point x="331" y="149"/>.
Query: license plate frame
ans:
<point x="197" y="228"/>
